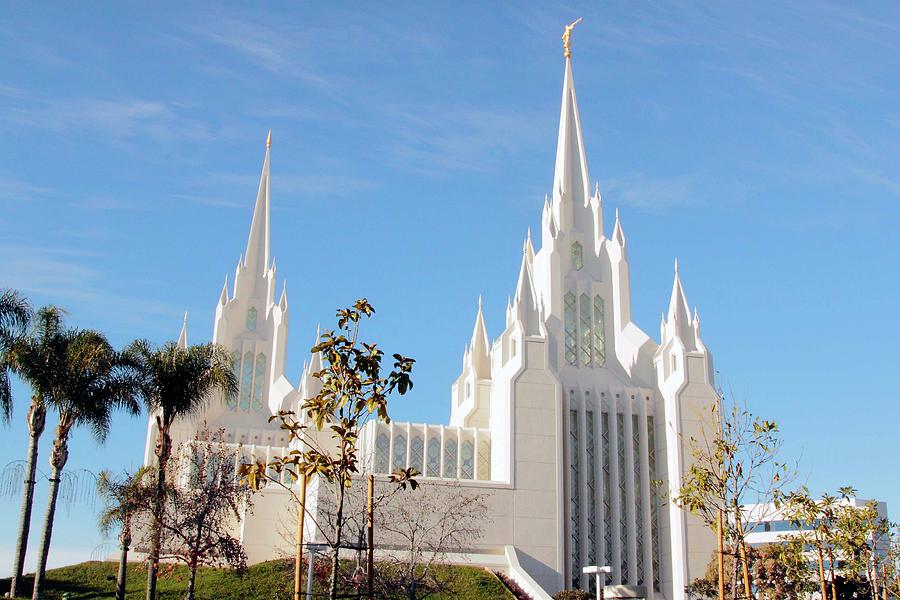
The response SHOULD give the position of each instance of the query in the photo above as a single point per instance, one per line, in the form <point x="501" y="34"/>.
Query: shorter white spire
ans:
<point x="525" y="308"/>
<point x="182" y="337"/>
<point x="479" y="356"/>
<point x="618" y="233"/>
<point x="528" y="248"/>
<point x="223" y="297"/>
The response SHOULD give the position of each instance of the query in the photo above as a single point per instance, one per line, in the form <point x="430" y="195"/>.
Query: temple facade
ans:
<point x="567" y="420"/>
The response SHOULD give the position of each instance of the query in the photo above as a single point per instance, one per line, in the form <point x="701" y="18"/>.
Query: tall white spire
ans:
<point x="479" y="352"/>
<point x="257" y="257"/>
<point x="679" y="315"/>
<point x="571" y="183"/>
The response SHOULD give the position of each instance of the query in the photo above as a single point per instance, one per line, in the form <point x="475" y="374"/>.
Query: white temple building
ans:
<point x="567" y="418"/>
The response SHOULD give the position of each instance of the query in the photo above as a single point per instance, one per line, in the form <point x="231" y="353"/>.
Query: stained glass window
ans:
<point x="434" y="457"/>
<point x="450" y="458"/>
<point x="585" y="324"/>
<point x="246" y="381"/>
<point x="399" y="461"/>
<point x="416" y="450"/>
<point x="382" y="449"/>
<point x="571" y="328"/>
<point x="467" y="460"/>
<point x="259" y="380"/>
<point x="638" y="498"/>
<point x="590" y="467"/>
<point x="574" y="504"/>
<point x="484" y="460"/>
<point x="599" y="332"/>
<point x="577" y="256"/>
<point x="623" y="498"/>
<point x="251" y="319"/>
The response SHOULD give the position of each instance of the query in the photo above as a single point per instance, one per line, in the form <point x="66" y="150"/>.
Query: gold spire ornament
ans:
<point x="269" y="139"/>
<point x="567" y="37"/>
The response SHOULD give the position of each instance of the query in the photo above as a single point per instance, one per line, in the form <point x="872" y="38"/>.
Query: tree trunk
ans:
<point x="745" y="566"/>
<point x="336" y="550"/>
<point x="156" y="534"/>
<point x="36" y="420"/>
<point x="59" y="454"/>
<point x="123" y="567"/>
<point x="192" y="578"/>
<point x="822" y="574"/>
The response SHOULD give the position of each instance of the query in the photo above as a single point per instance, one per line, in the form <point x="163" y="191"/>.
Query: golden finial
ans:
<point x="269" y="139"/>
<point x="567" y="37"/>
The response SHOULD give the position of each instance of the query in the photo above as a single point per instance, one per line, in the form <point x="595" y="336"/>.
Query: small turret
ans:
<point x="182" y="337"/>
<point x="479" y="355"/>
<point x="525" y="308"/>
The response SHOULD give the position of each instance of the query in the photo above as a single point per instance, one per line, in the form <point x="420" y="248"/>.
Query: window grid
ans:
<point x="654" y="507"/>
<point x="450" y="458"/>
<point x="467" y="460"/>
<point x="584" y="302"/>
<point x="434" y="457"/>
<point x="484" y="460"/>
<point x="623" y="498"/>
<point x="591" y="486"/>
<point x="382" y="449"/>
<point x="574" y="506"/>
<point x="416" y="446"/>
<point x="607" y="498"/>
<point x="577" y="256"/>
<point x="571" y="328"/>
<point x="599" y="332"/>
<point x="246" y="381"/>
<point x="399" y="461"/>
<point x="259" y="381"/>
<point x="638" y="512"/>
<point x="252" y="317"/>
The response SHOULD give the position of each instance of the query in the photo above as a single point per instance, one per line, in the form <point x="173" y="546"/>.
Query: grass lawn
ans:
<point x="273" y="580"/>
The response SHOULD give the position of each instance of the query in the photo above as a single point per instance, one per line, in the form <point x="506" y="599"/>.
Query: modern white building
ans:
<point x="565" y="418"/>
<point x="767" y="524"/>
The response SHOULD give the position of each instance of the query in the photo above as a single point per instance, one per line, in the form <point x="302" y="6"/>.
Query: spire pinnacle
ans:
<point x="571" y="183"/>
<point x="269" y="140"/>
<point x="526" y="307"/>
<point x="567" y="37"/>
<point x="528" y="248"/>
<point x="257" y="255"/>
<point x="479" y="353"/>
<point x="182" y="337"/>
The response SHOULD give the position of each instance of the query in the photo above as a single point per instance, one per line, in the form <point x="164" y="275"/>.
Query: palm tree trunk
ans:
<point x="36" y="420"/>
<point x="156" y="539"/>
<point x="59" y="454"/>
<point x="123" y="567"/>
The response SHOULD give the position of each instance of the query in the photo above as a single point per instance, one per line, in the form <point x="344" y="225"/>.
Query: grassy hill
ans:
<point x="266" y="581"/>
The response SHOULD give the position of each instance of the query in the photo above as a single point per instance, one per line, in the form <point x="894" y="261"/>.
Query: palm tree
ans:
<point x="126" y="498"/>
<point x="89" y="381"/>
<point x="176" y="382"/>
<point x="36" y="358"/>
<point x="15" y="314"/>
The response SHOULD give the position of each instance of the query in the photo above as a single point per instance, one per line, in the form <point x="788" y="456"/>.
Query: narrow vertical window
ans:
<point x="577" y="256"/>
<point x="251" y="319"/>
<point x="571" y="328"/>
<point x="399" y="461"/>
<point x="467" y="460"/>
<point x="623" y="498"/>
<point x="654" y="505"/>
<point x="590" y="475"/>
<point x="584" y="323"/>
<point x="599" y="333"/>
<point x="236" y="369"/>
<point x="246" y="381"/>
<point x="416" y="451"/>
<point x="638" y="498"/>
<point x="450" y="458"/>
<point x="259" y="381"/>
<point x="574" y="493"/>
<point x="382" y="449"/>
<point x="607" y="498"/>
<point x="434" y="458"/>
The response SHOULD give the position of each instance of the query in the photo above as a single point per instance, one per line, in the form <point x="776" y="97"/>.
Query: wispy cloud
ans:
<point x="651" y="194"/>
<point x="13" y="189"/>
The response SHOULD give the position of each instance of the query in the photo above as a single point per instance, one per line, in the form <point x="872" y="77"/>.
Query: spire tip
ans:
<point x="269" y="140"/>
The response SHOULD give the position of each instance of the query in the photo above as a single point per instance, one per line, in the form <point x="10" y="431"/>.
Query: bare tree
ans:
<point x="204" y="502"/>
<point x="421" y="529"/>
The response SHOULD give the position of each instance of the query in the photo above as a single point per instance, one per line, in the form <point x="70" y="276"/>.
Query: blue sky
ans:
<point x="758" y="143"/>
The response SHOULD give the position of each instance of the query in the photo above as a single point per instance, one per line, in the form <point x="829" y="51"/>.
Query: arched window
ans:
<point x="571" y="328"/>
<point x="599" y="332"/>
<point x="259" y="379"/>
<point x="382" y="449"/>
<point x="450" y="458"/>
<point x="434" y="458"/>
<point x="577" y="256"/>
<point x="246" y="380"/>
<point x="584" y="302"/>
<point x="252" y="318"/>
<point x="416" y="451"/>
<point x="467" y="460"/>
<point x="484" y="460"/>
<point x="399" y="461"/>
